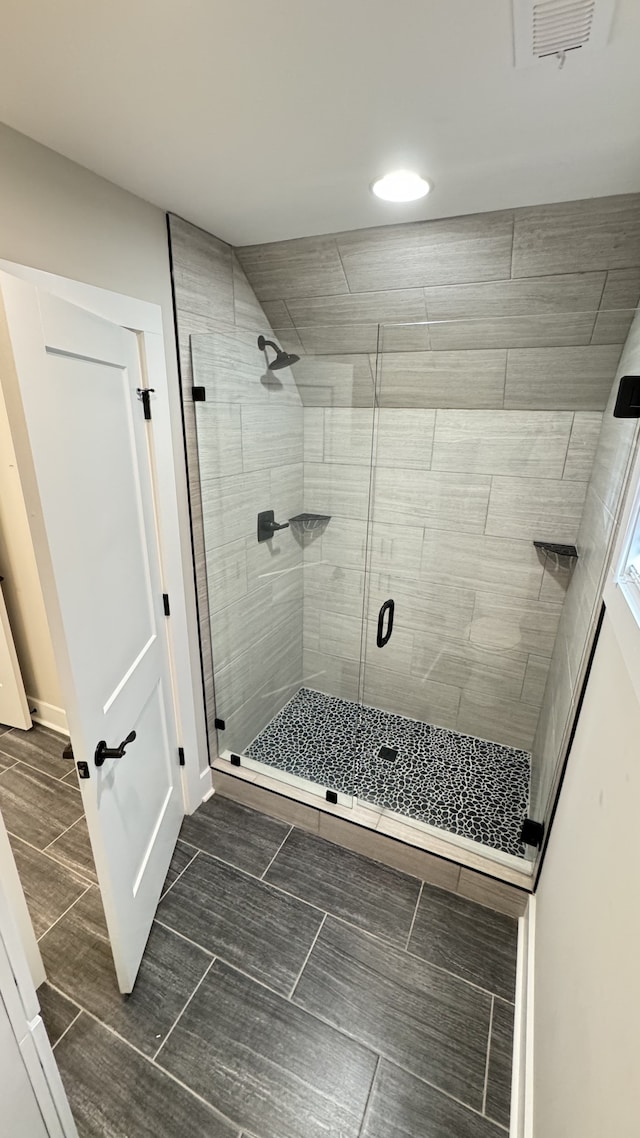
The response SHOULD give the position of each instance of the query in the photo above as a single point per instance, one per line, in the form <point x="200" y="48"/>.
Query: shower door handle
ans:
<point x="384" y="637"/>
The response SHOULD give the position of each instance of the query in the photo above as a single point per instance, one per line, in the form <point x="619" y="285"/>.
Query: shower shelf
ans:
<point x="556" y="549"/>
<point x="307" y="522"/>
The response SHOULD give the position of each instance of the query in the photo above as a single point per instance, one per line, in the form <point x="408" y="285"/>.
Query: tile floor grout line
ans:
<point x="9" y="768"/>
<point x="321" y="1019"/>
<point x="184" y="1008"/>
<point x="415" y="914"/>
<point x="265" y="871"/>
<point x="190" y="862"/>
<point x="82" y="874"/>
<point x="67" y="910"/>
<point x="157" y="1066"/>
<point x="486" y="1068"/>
<point x="306" y="959"/>
<point x="53" y="777"/>
<point x="80" y="819"/>
<point x="67" y="1028"/>
<point x="369" y="1097"/>
<point x="365" y="932"/>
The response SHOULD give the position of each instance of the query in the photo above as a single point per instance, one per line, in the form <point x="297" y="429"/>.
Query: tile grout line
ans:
<point x="54" y="840"/>
<point x="67" y="1028"/>
<point x="265" y="871"/>
<point x="190" y="862"/>
<point x="80" y="873"/>
<point x="15" y="763"/>
<point x="369" y="1097"/>
<point x="486" y="1069"/>
<point x="148" y="1059"/>
<point x="365" y="932"/>
<point x="183" y="1010"/>
<point x="415" y="914"/>
<point x="306" y="959"/>
<point x="67" y="910"/>
<point x="327" y="1022"/>
<point x="33" y="767"/>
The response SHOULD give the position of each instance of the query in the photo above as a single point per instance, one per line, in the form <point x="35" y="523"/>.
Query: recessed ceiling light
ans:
<point x="401" y="186"/>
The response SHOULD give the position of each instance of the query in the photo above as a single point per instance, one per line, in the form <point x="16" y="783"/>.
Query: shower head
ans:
<point x="283" y="359"/>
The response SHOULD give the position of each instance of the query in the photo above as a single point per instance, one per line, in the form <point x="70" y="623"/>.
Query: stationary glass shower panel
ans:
<point x="284" y="487"/>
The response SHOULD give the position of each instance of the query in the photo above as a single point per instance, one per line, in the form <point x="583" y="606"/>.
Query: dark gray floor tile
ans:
<point x="247" y="923"/>
<point x="56" y="1010"/>
<point x="73" y="849"/>
<point x="39" y="747"/>
<point x="498" y="1103"/>
<point x="361" y="891"/>
<point x="3" y="728"/>
<point x="182" y="856"/>
<point x="5" y="761"/>
<point x="402" y="1106"/>
<point x="36" y="807"/>
<point x="115" y="1093"/>
<point x="277" y="1071"/>
<point x="77" y="958"/>
<point x="72" y="777"/>
<point x="234" y="833"/>
<point x="49" y="888"/>
<point x="474" y="942"/>
<point x="433" y="1024"/>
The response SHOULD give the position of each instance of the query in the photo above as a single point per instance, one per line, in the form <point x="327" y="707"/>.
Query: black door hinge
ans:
<point x="219" y="724"/>
<point x="165" y="604"/>
<point x="181" y="756"/>
<point x="143" y="394"/>
<point x="198" y="394"/>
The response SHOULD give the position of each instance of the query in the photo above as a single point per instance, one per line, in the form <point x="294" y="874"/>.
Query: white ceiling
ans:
<point x="267" y="119"/>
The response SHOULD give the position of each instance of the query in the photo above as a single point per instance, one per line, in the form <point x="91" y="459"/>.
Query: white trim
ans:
<point x="621" y="596"/>
<point x="48" y="715"/>
<point x="145" y="318"/>
<point x="521" y="1125"/>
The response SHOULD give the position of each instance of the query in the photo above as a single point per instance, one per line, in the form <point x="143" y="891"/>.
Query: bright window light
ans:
<point x="401" y="186"/>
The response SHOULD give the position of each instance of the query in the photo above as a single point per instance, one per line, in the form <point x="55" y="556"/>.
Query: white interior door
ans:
<point x="14" y="709"/>
<point x="71" y="382"/>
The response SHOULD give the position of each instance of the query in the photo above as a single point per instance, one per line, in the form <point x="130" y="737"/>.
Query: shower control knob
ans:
<point x="267" y="525"/>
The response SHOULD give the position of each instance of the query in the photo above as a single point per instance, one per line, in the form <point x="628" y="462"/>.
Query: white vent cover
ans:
<point x="546" y="29"/>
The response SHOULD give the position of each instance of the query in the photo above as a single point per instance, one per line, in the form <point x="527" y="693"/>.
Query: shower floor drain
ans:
<point x="389" y="753"/>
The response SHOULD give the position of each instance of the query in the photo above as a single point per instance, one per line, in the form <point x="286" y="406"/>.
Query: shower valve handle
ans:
<point x="267" y="525"/>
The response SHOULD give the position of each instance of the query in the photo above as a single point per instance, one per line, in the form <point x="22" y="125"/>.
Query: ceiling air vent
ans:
<point x="550" y="29"/>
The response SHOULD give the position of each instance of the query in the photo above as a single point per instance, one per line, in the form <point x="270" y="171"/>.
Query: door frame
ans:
<point x="145" y="320"/>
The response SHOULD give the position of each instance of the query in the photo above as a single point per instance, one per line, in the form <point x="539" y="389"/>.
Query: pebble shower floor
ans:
<point x="468" y="786"/>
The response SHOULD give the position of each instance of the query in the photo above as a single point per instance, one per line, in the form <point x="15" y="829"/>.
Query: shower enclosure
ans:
<point x="404" y="544"/>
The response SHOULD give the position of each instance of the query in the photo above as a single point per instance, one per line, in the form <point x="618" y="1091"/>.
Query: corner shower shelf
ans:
<point x="308" y="522"/>
<point x="557" y="550"/>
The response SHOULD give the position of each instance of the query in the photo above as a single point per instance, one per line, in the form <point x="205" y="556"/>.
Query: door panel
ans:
<point x="84" y="457"/>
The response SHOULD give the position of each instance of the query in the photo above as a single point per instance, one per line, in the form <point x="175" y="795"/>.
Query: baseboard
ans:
<point x="206" y="784"/>
<point x="522" y="1076"/>
<point x="48" y="715"/>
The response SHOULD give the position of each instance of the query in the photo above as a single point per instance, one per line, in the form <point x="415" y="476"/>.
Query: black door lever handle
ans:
<point x="103" y="752"/>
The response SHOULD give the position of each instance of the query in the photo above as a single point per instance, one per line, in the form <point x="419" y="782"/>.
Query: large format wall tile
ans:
<point x="405" y="433"/>
<point x="348" y="435"/>
<point x="526" y="626"/>
<point x="427" y="497"/>
<point x="560" y="378"/>
<point x="462" y="664"/>
<point x="511" y="722"/>
<point x="570" y="293"/>
<point x="416" y="696"/>
<point x="422" y="606"/>
<point x="513" y="331"/>
<point x="442" y="379"/>
<point x="306" y="266"/>
<point x="271" y="439"/>
<point x="202" y="271"/>
<point x="331" y="488"/>
<point x="598" y="233"/>
<point x="546" y="509"/>
<point x="509" y="568"/>
<point x="335" y="380"/>
<point x="394" y="306"/>
<point x="583" y="443"/>
<point x="477" y="247"/>
<point x="480" y="442"/>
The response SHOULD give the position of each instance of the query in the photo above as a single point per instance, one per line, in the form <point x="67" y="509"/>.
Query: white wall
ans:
<point x="57" y="216"/>
<point x="587" y="947"/>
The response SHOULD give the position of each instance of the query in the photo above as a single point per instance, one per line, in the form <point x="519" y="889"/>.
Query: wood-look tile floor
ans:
<point x="290" y="988"/>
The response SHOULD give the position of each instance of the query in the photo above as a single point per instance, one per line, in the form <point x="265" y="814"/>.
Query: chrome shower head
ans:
<point x="283" y="359"/>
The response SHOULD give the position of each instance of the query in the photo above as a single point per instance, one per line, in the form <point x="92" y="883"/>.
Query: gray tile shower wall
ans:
<point x="245" y="454"/>
<point x="595" y="536"/>
<point x="488" y="426"/>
